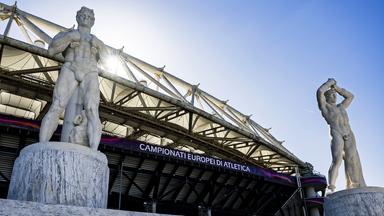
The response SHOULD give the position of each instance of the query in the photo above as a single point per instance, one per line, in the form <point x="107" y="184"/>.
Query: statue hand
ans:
<point x="332" y="82"/>
<point x="74" y="35"/>
<point x="74" y="44"/>
<point x="337" y="88"/>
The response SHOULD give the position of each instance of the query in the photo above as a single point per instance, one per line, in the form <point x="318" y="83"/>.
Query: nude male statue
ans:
<point x="343" y="145"/>
<point x="79" y="74"/>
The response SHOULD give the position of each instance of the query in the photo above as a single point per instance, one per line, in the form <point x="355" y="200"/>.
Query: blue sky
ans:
<point x="266" y="57"/>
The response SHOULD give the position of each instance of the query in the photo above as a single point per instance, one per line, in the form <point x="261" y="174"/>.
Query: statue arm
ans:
<point x="104" y="51"/>
<point x="60" y="42"/>
<point x="348" y="96"/>
<point x="321" y="101"/>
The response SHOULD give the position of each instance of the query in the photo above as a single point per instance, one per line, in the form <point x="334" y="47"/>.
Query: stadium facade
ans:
<point x="171" y="147"/>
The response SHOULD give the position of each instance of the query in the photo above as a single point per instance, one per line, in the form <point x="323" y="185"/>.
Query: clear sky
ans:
<point x="266" y="57"/>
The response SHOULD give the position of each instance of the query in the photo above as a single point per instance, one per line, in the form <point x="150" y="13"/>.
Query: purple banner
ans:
<point x="193" y="157"/>
<point x="164" y="151"/>
<point x="197" y="158"/>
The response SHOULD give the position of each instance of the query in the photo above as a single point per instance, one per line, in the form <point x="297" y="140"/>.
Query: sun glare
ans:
<point x="114" y="65"/>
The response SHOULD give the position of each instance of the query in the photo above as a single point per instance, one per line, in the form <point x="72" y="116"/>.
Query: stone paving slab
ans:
<point x="24" y="208"/>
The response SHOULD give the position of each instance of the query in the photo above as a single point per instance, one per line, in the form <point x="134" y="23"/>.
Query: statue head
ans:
<point x="330" y="96"/>
<point x="85" y="17"/>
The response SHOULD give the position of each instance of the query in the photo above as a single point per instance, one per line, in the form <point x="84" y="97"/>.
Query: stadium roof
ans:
<point x="138" y="100"/>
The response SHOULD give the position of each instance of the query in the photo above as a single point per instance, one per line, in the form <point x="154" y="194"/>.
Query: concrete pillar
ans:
<point x="314" y="212"/>
<point x="311" y="193"/>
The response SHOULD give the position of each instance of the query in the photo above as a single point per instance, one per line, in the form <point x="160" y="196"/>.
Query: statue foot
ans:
<point x="93" y="147"/>
<point x="354" y="185"/>
<point x="331" y="189"/>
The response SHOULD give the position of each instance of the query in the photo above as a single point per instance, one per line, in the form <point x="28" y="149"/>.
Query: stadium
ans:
<point x="172" y="148"/>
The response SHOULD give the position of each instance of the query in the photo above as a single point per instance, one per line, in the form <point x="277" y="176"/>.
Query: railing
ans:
<point x="293" y="206"/>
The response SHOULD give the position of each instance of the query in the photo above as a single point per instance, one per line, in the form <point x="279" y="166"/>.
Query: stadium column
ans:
<point x="311" y="193"/>
<point x="312" y="184"/>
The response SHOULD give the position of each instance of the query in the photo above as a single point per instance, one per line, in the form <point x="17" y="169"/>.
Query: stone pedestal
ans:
<point x="60" y="173"/>
<point x="367" y="201"/>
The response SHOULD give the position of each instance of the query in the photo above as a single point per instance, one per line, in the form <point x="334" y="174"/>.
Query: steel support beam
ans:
<point x="161" y="193"/>
<point x="187" y="174"/>
<point x="132" y="180"/>
<point x="154" y="181"/>
<point x="31" y="71"/>
<point x="185" y="106"/>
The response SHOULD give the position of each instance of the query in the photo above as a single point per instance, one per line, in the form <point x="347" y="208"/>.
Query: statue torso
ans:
<point x="82" y="54"/>
<point x="337" y="118"/>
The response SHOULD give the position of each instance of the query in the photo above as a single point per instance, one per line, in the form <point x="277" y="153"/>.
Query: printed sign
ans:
<point x="193" y="157"/>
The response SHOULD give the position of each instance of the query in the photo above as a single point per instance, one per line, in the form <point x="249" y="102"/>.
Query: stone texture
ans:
<point x="60" y="173"/>
<point x="18" y="208"/>
<point x="343" y="143"/>
<point x="77" y="87"/>
<point x="367" y="201"/>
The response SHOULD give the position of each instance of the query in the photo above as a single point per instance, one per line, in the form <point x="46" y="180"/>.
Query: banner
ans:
<point x="138" y="146"/>
<point x="193" y="157"/>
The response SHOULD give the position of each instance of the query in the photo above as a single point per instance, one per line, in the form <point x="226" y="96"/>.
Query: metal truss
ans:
<point x="153" y="178"/>
<point x="138" y="100"/>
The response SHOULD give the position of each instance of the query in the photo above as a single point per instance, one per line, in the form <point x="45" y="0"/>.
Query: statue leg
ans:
<point x="73" y="108"/>
<point x="91" y="97"/>
<point x="64" y="87"/>
<point x="337" y="146"/>
<point x="353" y="170"/>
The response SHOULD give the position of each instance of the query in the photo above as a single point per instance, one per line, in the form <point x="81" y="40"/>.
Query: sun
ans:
<point x="115" y="65"/>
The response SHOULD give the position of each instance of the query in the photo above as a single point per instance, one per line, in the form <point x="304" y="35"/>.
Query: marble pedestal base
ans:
<point x="60" y="173"/>
<point x="367" y="201"/>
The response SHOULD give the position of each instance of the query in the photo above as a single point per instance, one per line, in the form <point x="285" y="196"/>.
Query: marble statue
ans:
<point x="343" y="145"/>
<point x="72" y="171"/>
<point x="78" y="78"/>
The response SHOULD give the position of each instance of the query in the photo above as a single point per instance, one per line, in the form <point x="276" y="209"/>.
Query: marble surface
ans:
<point x="343" y="143"/>
<point x="367" y="201"/>
<point x="24" y="208"/>
<point x="60" y="173"/>
<point x="77" y="87"/>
